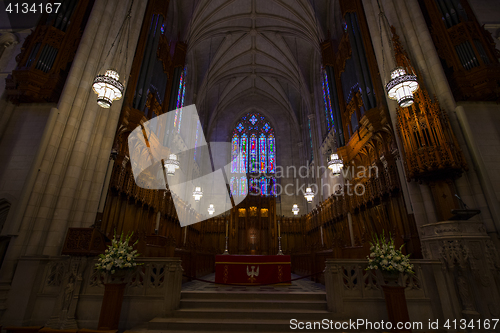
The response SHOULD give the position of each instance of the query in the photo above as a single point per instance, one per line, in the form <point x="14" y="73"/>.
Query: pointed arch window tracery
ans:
<point x="253" y="151"/>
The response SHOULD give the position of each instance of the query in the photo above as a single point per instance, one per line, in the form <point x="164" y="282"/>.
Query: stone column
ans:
<point x="27" y="215"/>
<point x="386" y="62"/>
<point x="420" y="43"/>
<point x="316" y="157"/>
<point x="91" y="137"/>
<point x="81" y="134"/>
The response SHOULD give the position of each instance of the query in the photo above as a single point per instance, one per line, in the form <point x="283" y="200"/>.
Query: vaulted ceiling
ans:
<point x="254" y="53"/>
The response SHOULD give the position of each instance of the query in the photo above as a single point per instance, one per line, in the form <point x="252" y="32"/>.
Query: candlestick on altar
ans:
<point x="280" y="253"/>
<point x="227" y="237"/>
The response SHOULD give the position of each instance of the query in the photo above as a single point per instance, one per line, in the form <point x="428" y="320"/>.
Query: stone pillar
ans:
<point x="27" y="216"/>
<point x="468" y="186"/>
<point x="316" y="158"/>
<point x="68" y="180"/>
<point x="87" y="135"/>
<point x="386" y="63"/>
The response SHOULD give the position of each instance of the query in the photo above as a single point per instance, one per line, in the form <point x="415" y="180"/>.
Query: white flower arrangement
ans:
<point x="119" y="255"/>
<point x="386" y="257"/>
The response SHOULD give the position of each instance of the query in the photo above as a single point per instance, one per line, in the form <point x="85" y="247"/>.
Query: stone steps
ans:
<point x="218" y="325"/>
<point x="253" y="304"/>
<point x="285" y="296"/>
<point x="206" y="311"/>
<point x="245" y="314"/>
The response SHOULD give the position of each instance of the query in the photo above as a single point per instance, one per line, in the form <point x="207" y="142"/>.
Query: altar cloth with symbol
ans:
<point x="252" y="269"/>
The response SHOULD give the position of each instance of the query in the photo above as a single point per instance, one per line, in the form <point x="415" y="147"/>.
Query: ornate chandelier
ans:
<point x="309" y="195"/>
<point x="402" y="86"/>
<point x="295" y="209"/>
<point x="197" y="193"/>
<point x="335" y="164"/>
<point x="108" y="88"/>
<point x="211" y="209"/>
<point x="171" y="164"/>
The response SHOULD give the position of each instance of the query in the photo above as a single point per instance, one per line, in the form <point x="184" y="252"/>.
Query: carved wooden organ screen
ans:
<point x="350" y="71"/>
<point x="47" y="54"/>
<point x="158" y="73"/>
<point x="466" y="49"/>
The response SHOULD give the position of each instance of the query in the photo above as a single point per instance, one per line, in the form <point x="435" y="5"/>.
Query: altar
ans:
<point x="252" y="269"/>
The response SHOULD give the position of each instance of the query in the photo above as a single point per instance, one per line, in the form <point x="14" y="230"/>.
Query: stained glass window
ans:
<point x="263" y="185"/>
<point x="254" y="141"/>
<point x="234" y="153"/>
<point x="243" y="153"/>
<point x="327" y="100"/>
<point x="243" y="186"/>
<point x="253" y="119"/>
<point x="233" y="185"/>
<point x="271" y="165"/>
<point x="272" y="186"/>
<point x="253" y="153"/>
<point x="180" y="101"/>
<point x="262" y="153"/>
<point x="253" y="185"/>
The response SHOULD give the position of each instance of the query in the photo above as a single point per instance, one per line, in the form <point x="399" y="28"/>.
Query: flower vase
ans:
<point x="391" y="278"/>
<point x="114" y="289"/>
<point x="395" y="300"/>
<point x="118" y="277"/>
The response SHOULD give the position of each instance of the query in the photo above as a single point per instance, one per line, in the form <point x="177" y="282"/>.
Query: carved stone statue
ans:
<point x="465" y="295"/>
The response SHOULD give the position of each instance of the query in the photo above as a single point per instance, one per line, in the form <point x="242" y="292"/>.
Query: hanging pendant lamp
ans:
<point x="107" y="86"/>
<point x="402" y="86"/>
<point x="197" y="193"/>
<point x="172" y="164"/>
<point x="309" y="195"/>
<point x="211" y="209"/>
<point x="335" y="164"/>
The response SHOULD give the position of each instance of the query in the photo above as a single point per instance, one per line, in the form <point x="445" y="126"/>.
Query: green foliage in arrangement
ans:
<point x="119" y="255"/>
<point x="386" y="257"/>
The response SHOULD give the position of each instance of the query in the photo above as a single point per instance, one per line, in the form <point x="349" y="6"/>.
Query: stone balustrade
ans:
<point x="70" y="291"/>
<point x="353" y="290"/>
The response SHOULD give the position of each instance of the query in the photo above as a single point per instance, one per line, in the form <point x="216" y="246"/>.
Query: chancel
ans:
<point x="250" y="165"/>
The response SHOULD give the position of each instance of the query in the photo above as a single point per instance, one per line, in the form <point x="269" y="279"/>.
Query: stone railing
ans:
<point x="70" y="291"/>
<point x="356" y="292"/>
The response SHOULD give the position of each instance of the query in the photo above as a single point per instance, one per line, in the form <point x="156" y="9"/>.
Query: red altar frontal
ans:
<point x="249" y="270"/>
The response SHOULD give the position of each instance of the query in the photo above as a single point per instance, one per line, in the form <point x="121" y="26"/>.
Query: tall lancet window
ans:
<point x="180" y="101"/>
<point x="326" y="98"/>
<point x="253" y="152"/>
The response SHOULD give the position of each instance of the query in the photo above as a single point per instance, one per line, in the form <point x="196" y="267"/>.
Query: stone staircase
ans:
<point x="203" y="311"/>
